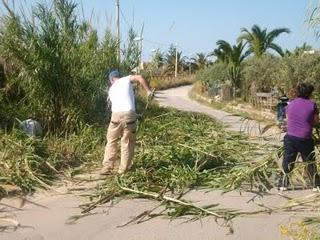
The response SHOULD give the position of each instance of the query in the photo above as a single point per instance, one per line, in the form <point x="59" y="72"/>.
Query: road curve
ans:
<point x="179" y="98"/>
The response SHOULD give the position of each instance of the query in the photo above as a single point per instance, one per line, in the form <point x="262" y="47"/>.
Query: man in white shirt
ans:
<point x="123" y="121"/>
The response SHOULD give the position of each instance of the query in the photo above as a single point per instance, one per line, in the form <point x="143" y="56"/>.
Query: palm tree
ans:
<point x="223" y="51"/>
<point x="200" y="61"/>
<point x="158" y="59"/>
<point x="172" y="56"/>
<point x="233" y="56"/>
<point x="260" y="41"/>
<point x="157" y="63"/>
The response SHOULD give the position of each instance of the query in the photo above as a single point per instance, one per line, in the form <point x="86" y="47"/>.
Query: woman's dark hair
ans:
<point x="304" y="90"/>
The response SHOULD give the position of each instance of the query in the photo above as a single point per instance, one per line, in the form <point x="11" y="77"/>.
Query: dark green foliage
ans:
<point x="263" y="73"/>
<point x="213" y="76"/>
<point x="259" y="41"/>
<point x="200" y="61"/>
<point x="59" y="66"/>
<point x="172" y="55"/>
<point x="131" y="53"/>
<point x="232" y="57"/>
<point x="301" y="68"/>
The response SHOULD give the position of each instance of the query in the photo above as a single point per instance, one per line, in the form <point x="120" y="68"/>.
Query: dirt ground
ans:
<point x="48" y="214"/>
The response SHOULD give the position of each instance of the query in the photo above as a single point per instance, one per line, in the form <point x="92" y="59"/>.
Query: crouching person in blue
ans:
<point x="281" y="112"/>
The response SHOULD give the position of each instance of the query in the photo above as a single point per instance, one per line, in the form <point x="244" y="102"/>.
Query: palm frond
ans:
<point x="276" y="48"/>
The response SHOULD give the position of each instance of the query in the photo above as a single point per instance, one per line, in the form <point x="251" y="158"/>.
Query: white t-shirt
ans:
<point x="121" y="95"/>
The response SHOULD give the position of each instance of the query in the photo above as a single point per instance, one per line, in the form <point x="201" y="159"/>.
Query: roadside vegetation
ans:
<point x="32" y="163"/>
<point x="55" y="66"/>
<point x="257" y="64"/>
<point x="53" y="70"/>
<point x="264" y="74"/>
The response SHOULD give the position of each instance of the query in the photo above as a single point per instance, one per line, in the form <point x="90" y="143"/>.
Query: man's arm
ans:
<point x="142" y="81"/>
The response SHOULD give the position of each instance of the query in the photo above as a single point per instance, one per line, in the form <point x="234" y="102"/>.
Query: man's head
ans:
<point x="304" y="90"/>
<point x="113" y="75"/>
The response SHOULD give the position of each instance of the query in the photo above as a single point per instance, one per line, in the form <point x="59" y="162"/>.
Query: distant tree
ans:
<point x="200" y="61"/>
<point x="232" y="56"/>
<point x="259" y="41"/>
<point x="156" y="66"/>
<point x="170" y="59"/>
<point x="158" y="59"/>
<point x="223" y="51"/>
<point x="130" y="52"/>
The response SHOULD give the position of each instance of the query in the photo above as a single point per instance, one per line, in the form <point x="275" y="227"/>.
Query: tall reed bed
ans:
<point x="55" y="73"/>
<point x="58" y="65"/>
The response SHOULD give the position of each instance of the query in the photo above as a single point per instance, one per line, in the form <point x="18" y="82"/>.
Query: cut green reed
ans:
<point x="177" y="152"/>
<point x="30" y="163"/>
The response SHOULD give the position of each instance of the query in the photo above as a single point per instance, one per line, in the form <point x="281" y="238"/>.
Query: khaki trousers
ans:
<point x="122" y="126"/>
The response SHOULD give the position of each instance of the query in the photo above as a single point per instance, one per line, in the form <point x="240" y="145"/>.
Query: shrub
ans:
<point x="301" y="68"/>
<point x="213" y="75"/>
<point x="263" y="72"/>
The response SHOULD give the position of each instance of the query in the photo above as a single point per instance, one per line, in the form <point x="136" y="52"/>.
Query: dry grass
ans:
<point x="165" y="82"/>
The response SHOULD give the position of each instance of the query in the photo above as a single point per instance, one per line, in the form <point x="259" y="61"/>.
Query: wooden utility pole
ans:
<point x="118" y="30"/>
<point x="176" y="63"/>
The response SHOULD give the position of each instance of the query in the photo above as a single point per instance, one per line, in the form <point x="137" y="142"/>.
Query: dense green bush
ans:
<point x="284" y="73"/>
<point x="260" y="75"/>
<point x="300" y="68"/>
<point x="264" y="73"/>
<point x="213" y="75"/>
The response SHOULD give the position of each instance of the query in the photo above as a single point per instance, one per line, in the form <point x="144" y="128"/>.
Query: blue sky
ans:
<point x="196" y="25"/>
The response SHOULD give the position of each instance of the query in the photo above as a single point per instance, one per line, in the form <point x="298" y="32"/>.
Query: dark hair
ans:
<point x="304" y="90"/>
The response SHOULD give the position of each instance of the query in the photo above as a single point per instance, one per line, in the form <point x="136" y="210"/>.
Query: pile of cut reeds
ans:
<point x="29" y="163"/>
<point x="177" y="152"/>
